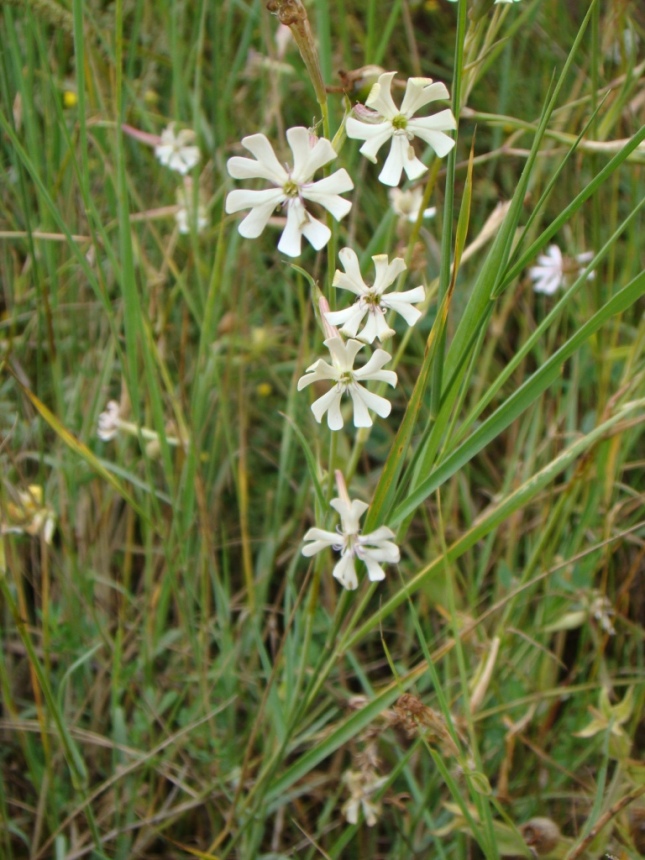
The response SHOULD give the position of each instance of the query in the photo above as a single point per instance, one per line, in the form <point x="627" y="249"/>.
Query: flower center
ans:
<point x="350" y="544"/>
<point x="372" y="300"/>
<point x="400" y="122"/>
<point x="346" y="378"/>
<point x="290" y="188"/>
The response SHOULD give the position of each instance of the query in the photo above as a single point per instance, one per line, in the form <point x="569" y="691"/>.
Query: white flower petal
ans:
<point x="547" y="283"/>
<point x="400" y="157"/>
<point x="420" y="92"/>
<point x="372" y="370"/>
<point x="326" y="193"/>
<point x="374" y="135"/>
<point x="291" y="239"/>
<point x="307" y="159"/>
<point x="350" y="514"/>
<point x="352" y="279"/>
<point x="374" y="570"/>
<point x="315" y="232"/>
<point x="350" y="319"/>
<point x="255" y="222"/>
<point x="382" y="533"/>
<point x="386" y="273"/>
<point x="320" y="370"/>
<point x="345" y="572"/>
<point x="375" y="327"/>
<point x="380" y="97"/>
<point x="362" y="397"/>
<point x="320" y="540"/>
<point x="329" y="403"/>
<point x="343" y="354"/>
<point x="267" y="166"/>
<point x="402" y="303"/>
<point x="243" y="198"/>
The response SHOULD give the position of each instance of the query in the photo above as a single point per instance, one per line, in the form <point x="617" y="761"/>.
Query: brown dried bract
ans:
<point x="414" y="717"/>
<point x="289" y="12"/>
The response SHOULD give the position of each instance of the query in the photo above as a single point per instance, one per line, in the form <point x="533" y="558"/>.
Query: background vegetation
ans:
<point x="175" y="679"/>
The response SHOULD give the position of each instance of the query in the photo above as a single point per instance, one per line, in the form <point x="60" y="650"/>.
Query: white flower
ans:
<point x="361" y="786"/>
<point x="505" y="1"/>
<point x="552" y="269"/>
<point x="109" y="421"/>
<point x="407" y="204"/>
<point x="174" y="150"/>
<point x="293" y="187"/>
<point x="398" y="125"/>
<point x="187" y="216"/>
<point x="341" y="372"/>
<point x="371" y="300"/>
<point x="186" y="221"/>
<point x="374" y="549"/>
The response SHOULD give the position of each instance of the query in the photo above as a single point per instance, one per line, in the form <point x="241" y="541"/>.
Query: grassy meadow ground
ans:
<point x="176" y="679"/>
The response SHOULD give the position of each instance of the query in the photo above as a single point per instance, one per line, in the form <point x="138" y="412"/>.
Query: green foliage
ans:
<point x="175" y="679"/>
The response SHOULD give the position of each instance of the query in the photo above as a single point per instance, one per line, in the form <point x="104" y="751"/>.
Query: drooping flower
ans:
<point x="401" y="127"/>
<point x="407" y="204"/>
<point x="341" y="372"/>
<point x="374" y="549"/>
<point x="372" y="301"/>
<point x="176" y="150"/>
<point x="552" y="269"/>
<point x="293" y="186"/>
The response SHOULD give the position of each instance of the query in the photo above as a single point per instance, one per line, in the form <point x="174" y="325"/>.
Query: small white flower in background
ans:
<point x="552" y="269"/>
<point x="603" y="612"/>
<point x="187" y="216"/>
<point x="399" y="125"/>
<point x="407" y="204"/>
<point x="505" y="1"/>
<point x="373" y="549"/>
<point x="341" y="372"/>
<point x="176" y="150"/>
<point x="109" y="421"/>
<point x="372" y="301"/>
<point x="186" y="219"/>
<point x="361" y="786"/>
<point x="293" y="187"/>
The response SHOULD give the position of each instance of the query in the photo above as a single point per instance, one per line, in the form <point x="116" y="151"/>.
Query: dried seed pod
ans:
<point x="541" y="834"/>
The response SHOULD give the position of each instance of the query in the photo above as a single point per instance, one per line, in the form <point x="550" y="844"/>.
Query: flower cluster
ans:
<point x="290" y="202"/>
